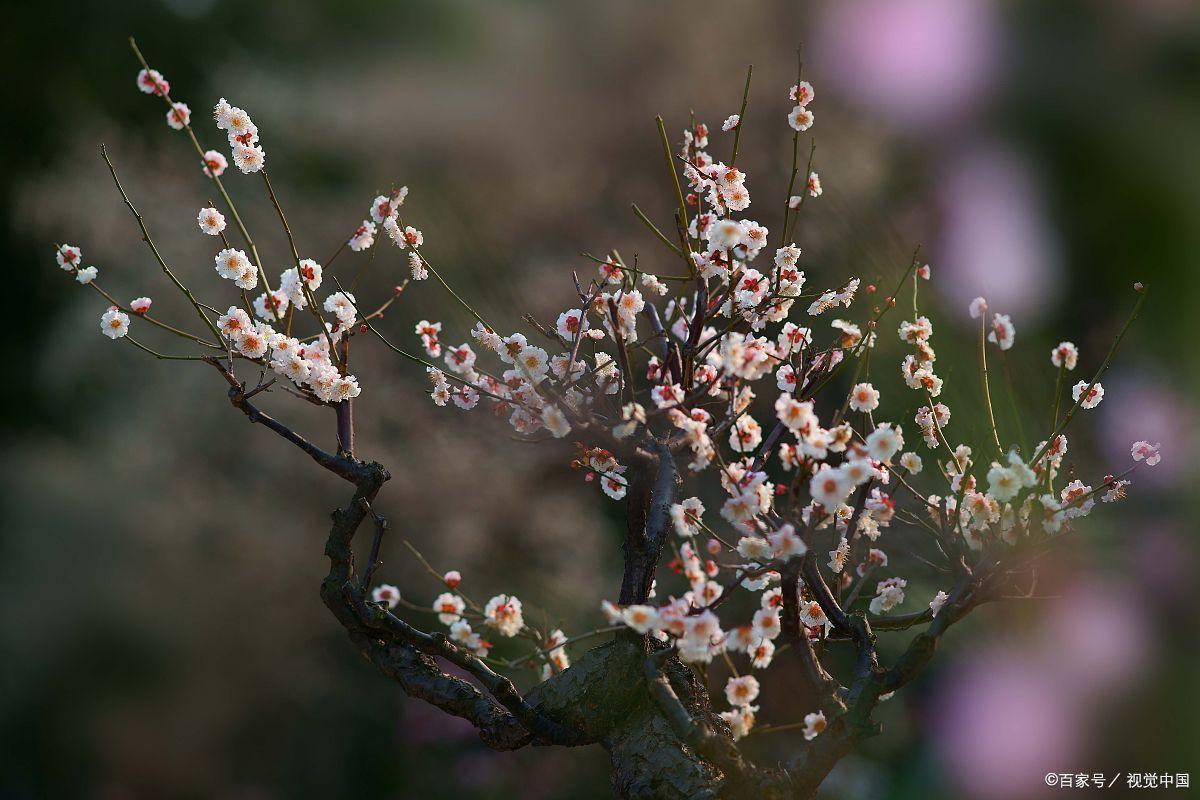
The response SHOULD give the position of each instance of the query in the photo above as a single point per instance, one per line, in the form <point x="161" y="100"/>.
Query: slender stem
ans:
<point x="635" y="270"/>
<point x="159" y="355"/>
<point x="622" y="353"/>
<point x="787" y="200"/>
<point x="683" y="214"/>
<point x="938" y="426"/>
<point x="237" y="219"/>
<point x="381" y="526"/>
<point x="308" y="295"/>
<point x="545" y="651"/>
<point x="440" y="576"/>
<point x="169" y="328"/>
<point x="862" y="343"/>
<point x="1012" y="399"/>
<point x="812" y="152"/>
<point x="1112" y="350"/>
<point x="154" y="248"/>
<point x="329" y="261"/>
<point x="987" y="392"/>
<point x="453" y="293"/>
<point x="654" y="228"/>
<point x="737" y="132"/>
<point x="418" y="360"/>
<point x="1058" y="387"/>
<point x="363" y="269"/>
<point x="841" y="412"/>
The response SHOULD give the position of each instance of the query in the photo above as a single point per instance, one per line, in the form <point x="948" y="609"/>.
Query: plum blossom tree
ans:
<point x="718" y="381"/>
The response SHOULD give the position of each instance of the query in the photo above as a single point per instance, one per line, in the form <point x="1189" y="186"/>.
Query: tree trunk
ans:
<point x="605" y="695"/>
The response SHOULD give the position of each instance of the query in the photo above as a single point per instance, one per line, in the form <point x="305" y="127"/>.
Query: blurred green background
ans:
<point x="161" y="634"/>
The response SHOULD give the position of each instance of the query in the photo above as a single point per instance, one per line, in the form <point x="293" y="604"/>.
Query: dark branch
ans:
<point x="649" y="506"/>
<point x="346" y="468"/>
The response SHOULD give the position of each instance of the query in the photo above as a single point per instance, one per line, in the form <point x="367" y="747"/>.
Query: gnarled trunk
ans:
<point x="605" y="695"/>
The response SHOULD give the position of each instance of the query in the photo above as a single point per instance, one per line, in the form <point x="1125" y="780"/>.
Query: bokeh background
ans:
<point x="160" y="630"/>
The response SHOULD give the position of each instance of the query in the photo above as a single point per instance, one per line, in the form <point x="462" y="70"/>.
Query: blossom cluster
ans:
<point x="252" y="330"/>
<point x="247" y="153"/>
<point x="733" y="370"/>
<point x="466" y="622"/>
<point x="828" y="463"/>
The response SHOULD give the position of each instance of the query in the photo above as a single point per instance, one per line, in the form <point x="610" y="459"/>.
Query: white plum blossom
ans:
<point x="614" y="485"/>
<point x="884" y="442"/>
<point x="641" y="618"/>
<point x="812" y="615"/>
<point x="386" y="206"/>
<point x="1076" y="499"/>
<point x="449" y="607"/>
<point x="215" y="163"/>
<point x="571" y="323"/>
<point x="363" y="237"/>
<point x="151" y="81"/>
<point x="235" y="266"/>
<point x="839" y="555"/>
<point x="114" y="323"/>
<point x="761" y="653"/>
<point x="1003" y="332"/>
<point x="745" y="435"/>
<point x="252" y="344"/>
<point x="462" y="635"/>
<point x="234" y="323"/>
<point x="385" y="594"/>
<point x="740" y="719"/>
<point x="211" y="221"/>
<point x="939" y="600"/>
<point x="1094" y="394"/>
<point x="1144" y="451"/>
<point x="888" y="595"/>
<point x="741" y="691"/>
<point x="786" y="543"/>
<point x="249" y="158"/>
<point x="1003" y="483"/>
<point x="555" y="421"/>
<point x="503" y="613"/>
<point x="1065" y="355"/>
<point x="342" y="306"/>
<point x="830" y="486"/>
<point x="179" y="116"/>
<point x="686" y="517"/>
<point x="814" y="724"/>
<point x="700" y="638"/>
<point x="864" y="397"/>
<point x="68" y="257"/>
<point x="416" y="266"/>
<point x="800" y="118"/>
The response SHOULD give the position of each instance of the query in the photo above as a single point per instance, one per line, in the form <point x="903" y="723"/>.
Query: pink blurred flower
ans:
<point x="920" y="63"/>
<point x="1019" y="709"/>
<point x="995" y="240"/>
<point x="1001" y="726"/>
<point x="1103" y="623"/>
<point x="1140" y="407"/>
